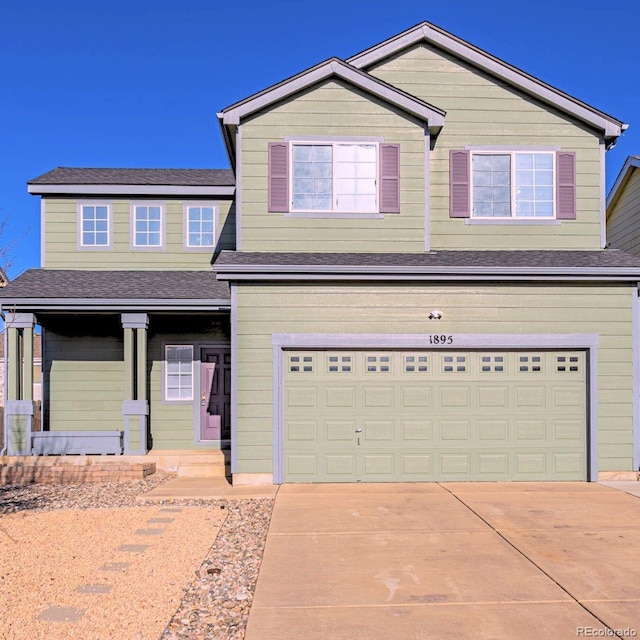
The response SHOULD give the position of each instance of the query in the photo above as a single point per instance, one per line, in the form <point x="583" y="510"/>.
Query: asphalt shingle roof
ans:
<point x="437" y="259"/>
<point x="116" y="285"/>
<point x="164" y="177"/>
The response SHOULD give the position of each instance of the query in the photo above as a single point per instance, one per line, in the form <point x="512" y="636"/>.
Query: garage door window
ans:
<point x="378" y="363"/>
<point x="301" y="364"/>
<point x="339" y="363"/>
<point x="415" y="363"/>
<point x="454" y="364"/>
<point x="530" y="364"/>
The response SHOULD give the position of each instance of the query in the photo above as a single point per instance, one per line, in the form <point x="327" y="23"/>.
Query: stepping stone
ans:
<point x="94" y="588"/>
<point x="116" y="566"/>
<point x="61" y="614"/>
<point x="170" y="510"/>
<point x="160" y="520"/>
<point x="133" y="548"/>
<point x="149" y="532"/>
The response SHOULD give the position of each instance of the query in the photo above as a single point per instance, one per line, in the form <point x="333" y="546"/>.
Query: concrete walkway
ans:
<point x="443" y="561"/>
<point x="204" y="489"/>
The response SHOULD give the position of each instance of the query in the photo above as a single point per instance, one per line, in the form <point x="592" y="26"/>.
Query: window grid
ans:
<point x="179" y="372"/>
<point x="567" y="364"/>
<point x="377" y="363"/>
<point x="95" y="225"/>
<point x="493" y="363"/>
<point x="147" y="230"/>
<point x="415" y="363"/>
<point x="201" y="226"/>
<point x="334" y="177"/>
<point x="513" y="184"/>
<point x="301" y="363"/>
<point x="454" y="364"/>
<point x="339" y="363"/>
<point x="530" y="364"/>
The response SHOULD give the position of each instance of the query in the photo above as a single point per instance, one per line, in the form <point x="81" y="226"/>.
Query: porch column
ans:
<point x="18" y="414"/>
<point x="135" y="406"/>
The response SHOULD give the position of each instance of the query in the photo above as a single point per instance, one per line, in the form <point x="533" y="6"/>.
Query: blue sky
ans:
<point x="138" y="83"/>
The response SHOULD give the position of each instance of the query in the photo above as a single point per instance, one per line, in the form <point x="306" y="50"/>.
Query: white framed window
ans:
<point x="147" y="225"/>
<point x="513" y="184"/>
<point x="178" y="372"/>
<point x="94" y="225"/>
<point x="334" y="176"/>
<point x="200" y="224"/>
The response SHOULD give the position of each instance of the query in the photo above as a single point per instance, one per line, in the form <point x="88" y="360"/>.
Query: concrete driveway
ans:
<point x="445" y="561"/>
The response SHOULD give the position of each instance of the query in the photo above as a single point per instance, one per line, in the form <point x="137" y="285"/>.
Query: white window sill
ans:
<point x="331" y="214"/>
<point x="513" y="221"/>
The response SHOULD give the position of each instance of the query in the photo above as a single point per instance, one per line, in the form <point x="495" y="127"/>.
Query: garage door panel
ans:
<point x="438" y="415"/>
<point x="378" y="430"/>
<point x="494" y="431"/>
<point x="417" y="430"/>
<point x="416" y="397"/>
<point x="455" y="430"/>
<point x="417" y="465"/>
<point x="302" y="430"/>
<point x="339" y="430"/>
<point x="343" y="397"/>
<point x="493" y="464"/>
<point x="531" y="430"/>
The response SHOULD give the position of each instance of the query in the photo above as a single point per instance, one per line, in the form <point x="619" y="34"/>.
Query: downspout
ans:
<point x="635" y="356"/>
<point x="4" y="389"/>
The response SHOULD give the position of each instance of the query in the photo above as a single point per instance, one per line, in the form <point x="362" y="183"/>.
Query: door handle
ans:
<point x="358" y="430"/>
<point x="203" y="400"/>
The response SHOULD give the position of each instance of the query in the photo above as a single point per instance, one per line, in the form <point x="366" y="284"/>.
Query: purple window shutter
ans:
<point x="389" y="178"/>
<point x="278" y="177"/>
<point x="459" y="184"/>
<point x="565" y="185"/>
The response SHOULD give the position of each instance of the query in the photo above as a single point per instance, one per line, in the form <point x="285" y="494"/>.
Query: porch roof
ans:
<point x="66" y="289"/>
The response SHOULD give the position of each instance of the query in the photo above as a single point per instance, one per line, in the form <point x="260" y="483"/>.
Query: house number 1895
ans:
<point x="440" y="339"/>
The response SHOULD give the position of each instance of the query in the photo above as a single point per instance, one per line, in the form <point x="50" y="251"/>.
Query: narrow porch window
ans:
<point x="178" y="381"/>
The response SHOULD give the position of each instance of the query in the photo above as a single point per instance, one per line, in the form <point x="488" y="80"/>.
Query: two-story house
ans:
<point x="409" y="283"/>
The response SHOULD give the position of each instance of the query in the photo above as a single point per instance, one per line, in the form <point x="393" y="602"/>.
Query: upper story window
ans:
<point x="147" y="225"/>
<point x="200" y="227"/>
<point x="320" y="178"/>
<point x="513" y="184"/>
<point x="526" y="185"/>
<point x="95" y="225"/>
<point x="335" y="177"/>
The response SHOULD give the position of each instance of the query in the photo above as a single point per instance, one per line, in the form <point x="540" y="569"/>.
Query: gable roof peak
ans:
<point x="609" y="126"/>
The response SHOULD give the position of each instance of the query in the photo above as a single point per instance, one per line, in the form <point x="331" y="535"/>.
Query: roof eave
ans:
<point x="129" y="189"/>
<point x="110" y="304"/>
<point x="610" y="127"/>
<point x="317" y="272"/>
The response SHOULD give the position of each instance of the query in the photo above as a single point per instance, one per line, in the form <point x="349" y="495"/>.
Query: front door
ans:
<point x="215" y="393"/>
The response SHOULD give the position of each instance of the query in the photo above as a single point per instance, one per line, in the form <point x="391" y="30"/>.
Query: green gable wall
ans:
<point x="623" y="222"/>
<point x="332" y="109"/>
<point x="403" y="309"/>
<point x="484" y="111"/>
<point x="60" y="232"/>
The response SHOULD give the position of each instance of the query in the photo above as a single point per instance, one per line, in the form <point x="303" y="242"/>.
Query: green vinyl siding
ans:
<point x="332" y="109"/>
<point x="172" y="423"/>
<point x="623" y="222"/>
<point x="404" y="309"/>
<point x="484" y="111"/>
<point x="83" y="375"/>
<point x="61" y="249"/>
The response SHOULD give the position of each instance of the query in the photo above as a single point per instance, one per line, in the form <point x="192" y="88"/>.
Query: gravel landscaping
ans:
<point x="216" y="603"/>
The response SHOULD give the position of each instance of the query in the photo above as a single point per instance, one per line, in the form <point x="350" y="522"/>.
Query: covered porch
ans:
<point x="145" y="377"/>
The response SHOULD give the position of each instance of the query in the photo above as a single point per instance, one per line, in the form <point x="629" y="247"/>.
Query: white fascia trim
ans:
<point x="630" y="164"/>
<point x="127" y="190"/>
<point x="435" y="118"/>
<point x="97" y="304"/>
<point x="302" y="272"/>
<point x="482" y="60"/>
